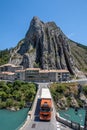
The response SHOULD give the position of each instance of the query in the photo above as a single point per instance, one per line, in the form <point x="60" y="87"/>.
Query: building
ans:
<point x="10" y="68"/>
<point x="38" y="75"/>
<point x="44" y="76"/>
<point x="7" y="76"/>
<point x="20" y="75"/>
<point x="12" y="72"/>
<point x="59" y="75"/>
<point x="8" y="71"/>
<point x="32" y="74"/>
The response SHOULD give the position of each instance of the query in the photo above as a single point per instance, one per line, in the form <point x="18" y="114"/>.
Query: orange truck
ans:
<point x="45" y="105"/>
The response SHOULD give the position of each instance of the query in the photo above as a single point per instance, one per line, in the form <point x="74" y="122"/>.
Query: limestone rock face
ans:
<point x="45" y="45"/>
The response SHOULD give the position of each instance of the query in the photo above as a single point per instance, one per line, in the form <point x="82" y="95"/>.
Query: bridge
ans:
<point x="33" y="122"/>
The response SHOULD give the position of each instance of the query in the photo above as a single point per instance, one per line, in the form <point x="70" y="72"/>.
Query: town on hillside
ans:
<point x="12" y="72"/>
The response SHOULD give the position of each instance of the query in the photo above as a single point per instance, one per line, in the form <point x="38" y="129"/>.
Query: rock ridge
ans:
<point x="44" y="46"/>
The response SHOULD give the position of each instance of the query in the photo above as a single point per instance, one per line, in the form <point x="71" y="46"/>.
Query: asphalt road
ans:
<point x="35" y="123"/>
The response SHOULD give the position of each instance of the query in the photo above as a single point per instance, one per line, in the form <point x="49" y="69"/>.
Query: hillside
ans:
<point x="67" y="95"/>
<point x="4" y="56"/>
<point x="79" y="53"/>
<point x="47" y="47"/>
<point x="16" y="95"/>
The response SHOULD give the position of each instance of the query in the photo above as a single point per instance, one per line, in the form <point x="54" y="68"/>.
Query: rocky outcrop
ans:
<point x="46" y="45"/>
<point x="67" y="95"/>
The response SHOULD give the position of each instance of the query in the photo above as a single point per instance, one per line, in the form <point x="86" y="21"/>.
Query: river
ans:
<point x="10" y="120"/>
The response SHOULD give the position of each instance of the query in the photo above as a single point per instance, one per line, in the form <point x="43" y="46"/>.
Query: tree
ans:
<point x="2" y="104"/>
<point x="3" y="95"/>
<point x="21" y="104"/>
<point x="17" y="95"/>
<point x="2" y="84"/>
<point x="17" y="85"/>
<point x="9" y="102"/>
<point x="4" y="56"/>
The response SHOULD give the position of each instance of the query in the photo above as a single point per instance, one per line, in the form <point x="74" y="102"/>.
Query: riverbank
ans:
<point x="68" y="95"/>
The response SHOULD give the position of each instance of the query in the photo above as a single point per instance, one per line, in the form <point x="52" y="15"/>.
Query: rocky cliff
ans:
<point x="67" y="95"/>
<point x="45" y="46"/>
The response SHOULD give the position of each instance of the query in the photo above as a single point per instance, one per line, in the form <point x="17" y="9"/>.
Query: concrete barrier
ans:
<point x="68" y="123"/>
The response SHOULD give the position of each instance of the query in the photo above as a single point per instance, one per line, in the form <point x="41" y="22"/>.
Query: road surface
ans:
<point x="34" y="123"/>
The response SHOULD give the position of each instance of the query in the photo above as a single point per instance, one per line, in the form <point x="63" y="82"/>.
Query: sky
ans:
<point x="15" y="17"/>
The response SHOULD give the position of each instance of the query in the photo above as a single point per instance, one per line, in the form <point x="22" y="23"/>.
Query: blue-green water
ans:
<point x="72" y="115"/>
<point x="10" y="120"/>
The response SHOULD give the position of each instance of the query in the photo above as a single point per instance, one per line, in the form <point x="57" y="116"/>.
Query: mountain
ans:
<point x="47" y="47"/>
<point x="79" y="53"/>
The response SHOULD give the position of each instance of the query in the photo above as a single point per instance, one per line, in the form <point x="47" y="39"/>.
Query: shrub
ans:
<point x="85" y="89"/>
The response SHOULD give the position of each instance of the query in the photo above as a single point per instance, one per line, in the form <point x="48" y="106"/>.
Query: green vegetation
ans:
<point x="16" y="95"/>
<point x="36" y="65"/>
<point x="81" y="45"/>
<point x="79" y="53"/>
<point x="64" y="89"/>
<point x="85" y="90"/>
<point x="78" y="44"/>
<point x="57" y="91"/>
<point x="31" y="50"/>
<point x="4" y="56"/>
<point x="66" y="95"/>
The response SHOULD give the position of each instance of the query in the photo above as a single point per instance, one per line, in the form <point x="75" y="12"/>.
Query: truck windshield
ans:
<point x="45" y="109"/>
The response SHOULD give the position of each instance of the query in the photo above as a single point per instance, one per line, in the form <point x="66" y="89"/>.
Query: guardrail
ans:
<point x="68" y="123"/>
<point x="31" y="112"/>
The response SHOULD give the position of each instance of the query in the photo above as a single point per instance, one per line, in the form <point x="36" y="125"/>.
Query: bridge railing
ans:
<point x="68" y="123"/>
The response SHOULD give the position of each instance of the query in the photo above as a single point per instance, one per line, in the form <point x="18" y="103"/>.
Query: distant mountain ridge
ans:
<point x="47" y="47"/>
